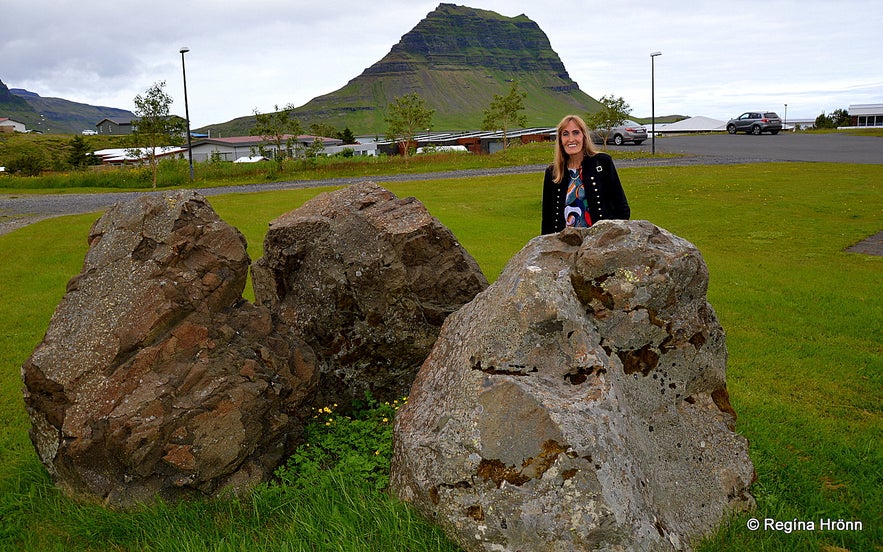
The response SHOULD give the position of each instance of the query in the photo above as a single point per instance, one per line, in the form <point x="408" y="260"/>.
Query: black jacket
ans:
<point x="603" y="189"/>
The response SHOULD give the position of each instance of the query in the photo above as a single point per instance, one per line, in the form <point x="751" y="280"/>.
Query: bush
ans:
<point x="27" y="164"/>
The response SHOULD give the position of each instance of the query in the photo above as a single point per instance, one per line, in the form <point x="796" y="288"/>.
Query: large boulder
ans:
<point x="155" y="378"/>
<point x="367" y="279"/>
<point x="579" y="403"/>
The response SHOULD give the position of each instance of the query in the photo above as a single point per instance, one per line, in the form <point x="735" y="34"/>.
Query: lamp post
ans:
<point x="653" y="99"/>
<point x="785" y="121"/>
<point x="184" y="50"/>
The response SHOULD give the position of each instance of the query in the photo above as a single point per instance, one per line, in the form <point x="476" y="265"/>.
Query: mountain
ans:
<point x="14" y="107"/>
<point x="54" y="115"/>
<point x="456" y="59"/>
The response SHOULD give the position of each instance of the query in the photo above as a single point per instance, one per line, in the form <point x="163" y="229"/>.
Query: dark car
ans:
<point x="628" y="131"/>
<point x="755" y="122"/>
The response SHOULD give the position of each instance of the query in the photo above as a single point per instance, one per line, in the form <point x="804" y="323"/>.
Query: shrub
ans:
<point x="27" y="164"/>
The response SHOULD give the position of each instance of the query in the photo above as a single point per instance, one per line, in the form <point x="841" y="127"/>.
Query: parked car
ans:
<point x="755" y="122"/>
<point x="628" y="131"/>
<point x="89" y="132"/>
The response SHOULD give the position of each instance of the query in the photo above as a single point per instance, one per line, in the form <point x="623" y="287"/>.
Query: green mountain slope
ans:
<point x="456" y="59"/>
<point x="54" y="115"/>
<point x="13" y="107"/>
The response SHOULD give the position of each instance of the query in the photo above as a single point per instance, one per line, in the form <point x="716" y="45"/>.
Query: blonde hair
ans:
<point x="559" y="166"/>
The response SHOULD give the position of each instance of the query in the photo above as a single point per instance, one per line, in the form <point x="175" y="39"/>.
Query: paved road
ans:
<point x="785" y="146"/>
<point x="18" y="210"/>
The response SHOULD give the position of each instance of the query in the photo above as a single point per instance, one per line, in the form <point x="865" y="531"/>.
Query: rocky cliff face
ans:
<point x="456" y="37"/>
<point x="456" y="59"/>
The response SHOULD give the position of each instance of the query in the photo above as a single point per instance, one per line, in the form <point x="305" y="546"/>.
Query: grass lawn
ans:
<point x="805" y="372"/>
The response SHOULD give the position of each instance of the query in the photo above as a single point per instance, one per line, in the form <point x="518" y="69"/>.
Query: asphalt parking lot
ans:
<point x="785" y="146"/>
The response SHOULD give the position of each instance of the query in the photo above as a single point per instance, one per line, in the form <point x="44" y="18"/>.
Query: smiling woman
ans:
<point x="581" y="186"/>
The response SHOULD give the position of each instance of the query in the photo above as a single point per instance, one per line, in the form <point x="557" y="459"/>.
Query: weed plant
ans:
<point x="804" y="323"/>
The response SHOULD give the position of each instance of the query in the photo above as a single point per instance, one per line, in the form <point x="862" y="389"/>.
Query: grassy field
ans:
<point x="805" y="372"/>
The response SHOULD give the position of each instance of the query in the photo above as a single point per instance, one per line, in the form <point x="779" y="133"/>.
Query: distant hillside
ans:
<point x="456" y="58"/>
<point x="54" y="115"/>
<point x="13" y="107"/>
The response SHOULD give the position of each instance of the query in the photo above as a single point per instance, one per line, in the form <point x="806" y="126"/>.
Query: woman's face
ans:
<point x="572" y="139"/>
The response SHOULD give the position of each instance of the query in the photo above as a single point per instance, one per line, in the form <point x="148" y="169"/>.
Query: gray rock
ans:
<point x="367" y="280"/>
<point x="155" y="378"/>
<point x="579" y="403"/>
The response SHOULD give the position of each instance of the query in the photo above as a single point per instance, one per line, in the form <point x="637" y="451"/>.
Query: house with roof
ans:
<point x="114" y="127"/>
<point x="8" y="125"/>
<point x="236" y="147"/>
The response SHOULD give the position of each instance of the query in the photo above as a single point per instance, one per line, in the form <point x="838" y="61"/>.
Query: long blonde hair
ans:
<point x="559" y="166"/>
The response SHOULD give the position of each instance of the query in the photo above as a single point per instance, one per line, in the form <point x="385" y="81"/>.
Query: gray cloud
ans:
<point x="718" y="58"/>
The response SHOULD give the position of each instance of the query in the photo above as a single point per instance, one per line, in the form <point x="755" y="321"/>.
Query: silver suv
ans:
<point x="755" y="122"/>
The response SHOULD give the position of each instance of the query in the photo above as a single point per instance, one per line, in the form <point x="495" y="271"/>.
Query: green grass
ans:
<point x="805" y="371"/>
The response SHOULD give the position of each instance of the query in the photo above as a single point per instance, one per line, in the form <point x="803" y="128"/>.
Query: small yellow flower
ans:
<point x="385" y="420"/>
<point x="376" y="453"/>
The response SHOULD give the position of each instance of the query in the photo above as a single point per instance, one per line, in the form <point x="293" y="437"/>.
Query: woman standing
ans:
<point x="581" y="187"/>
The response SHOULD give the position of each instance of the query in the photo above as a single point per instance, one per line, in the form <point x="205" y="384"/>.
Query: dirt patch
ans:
<point x="8" y="224"/>
<point x="869" y="246"/>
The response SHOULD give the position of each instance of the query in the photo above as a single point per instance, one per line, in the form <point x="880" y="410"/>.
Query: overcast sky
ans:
<point x="719" y="58"/>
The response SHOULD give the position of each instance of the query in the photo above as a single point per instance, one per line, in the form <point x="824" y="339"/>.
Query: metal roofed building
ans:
<point x="866" y="115"/>
<point x="129" y="156"/>
<point x="693" y="124"/>
<point x="235" y="147"/>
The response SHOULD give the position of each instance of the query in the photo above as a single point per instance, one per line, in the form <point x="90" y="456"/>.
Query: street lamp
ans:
<point x="653" y="99"/>
<point x="785" y="122"/>
<point x="184" y="50"/>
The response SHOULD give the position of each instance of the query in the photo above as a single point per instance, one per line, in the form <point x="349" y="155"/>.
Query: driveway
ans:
<point x="785" y="146"/>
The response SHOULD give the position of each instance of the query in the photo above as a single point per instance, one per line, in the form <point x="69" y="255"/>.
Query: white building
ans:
<point x="867" y="115"/>
<point x="236" y="147"/>
<point x="9" y="125"/>
<point x="129" y="156"/>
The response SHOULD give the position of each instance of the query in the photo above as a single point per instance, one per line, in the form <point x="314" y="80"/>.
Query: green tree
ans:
<point x="154" y="128"/>
<point x="823" y="121"/>
<point x="505" y="112"/>
<point x="405" y="117"/>
<point x="613" y="112"/>
<point x="313" y="151"/>
<point x="80" y="156"/>
<point x="278" y="129"/>
<point x="347" y="136"/>
<point x="840" y="117"/>
<point x="324" y="130"/>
